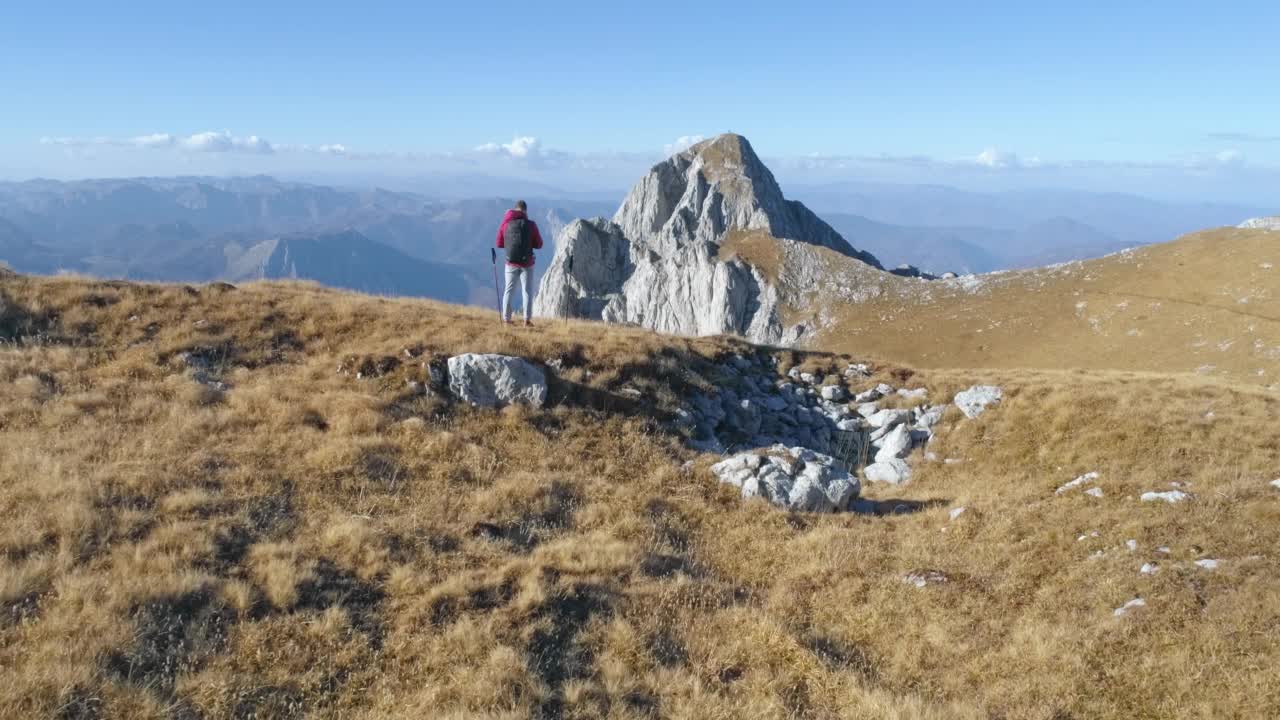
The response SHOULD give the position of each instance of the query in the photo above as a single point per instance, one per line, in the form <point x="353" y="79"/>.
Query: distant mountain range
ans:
<point x="392" y="242"/>
<point x="196" y="229"/>
<point x="941" y="228"/>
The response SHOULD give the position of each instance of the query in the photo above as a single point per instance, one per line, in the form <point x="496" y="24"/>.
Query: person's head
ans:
<point x="521" y="206"/>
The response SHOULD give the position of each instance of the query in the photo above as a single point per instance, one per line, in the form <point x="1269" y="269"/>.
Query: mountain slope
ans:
<point x="1207" y="303"/>
<point x="205" y="520"/>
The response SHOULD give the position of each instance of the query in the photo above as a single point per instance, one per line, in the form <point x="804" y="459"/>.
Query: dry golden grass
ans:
<point x="306" y="543"/>
<point x="1206" y="303"/>
<point x="756" y="248"/>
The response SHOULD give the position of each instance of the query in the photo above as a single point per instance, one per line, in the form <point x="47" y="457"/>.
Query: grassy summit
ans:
<point x="298" y="541"/>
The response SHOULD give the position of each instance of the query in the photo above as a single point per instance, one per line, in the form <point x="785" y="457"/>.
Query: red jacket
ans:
<point x="534" y="236"/>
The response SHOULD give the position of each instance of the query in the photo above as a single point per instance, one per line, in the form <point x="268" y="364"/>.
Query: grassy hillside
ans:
<point x="1208" y="303"/>
<point x="302" y="542"/>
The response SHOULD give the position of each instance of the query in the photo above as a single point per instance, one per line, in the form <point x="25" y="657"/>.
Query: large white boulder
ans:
<point x="793" y="478"/>
<point x="895" y="445"/>
<point x="489" y="380"/>
<point x="888" y="418"/>
<point x="893" y="471"/>
<point x="974" y="401"/>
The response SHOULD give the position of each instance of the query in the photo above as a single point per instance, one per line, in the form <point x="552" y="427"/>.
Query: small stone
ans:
<point x="1171" y="496"/>
<point x="1163" y="550"/>
<point x="956" y="512"/>
<point x="1094" y="492"/>
<point x="1131" y="605"/>
<point x="1207" y="564"/>
<point x="1276" y="483"/>
<point x="921" y="578"/>
<point x="1082" y="480"/>
<point x="1132" y="545"/>
<point x="1150" y="568"/>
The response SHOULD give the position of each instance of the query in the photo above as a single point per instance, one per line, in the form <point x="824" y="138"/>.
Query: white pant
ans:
<point x="525" y="277"/>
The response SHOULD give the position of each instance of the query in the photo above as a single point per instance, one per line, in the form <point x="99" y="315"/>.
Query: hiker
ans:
<point x="519" y="236"/>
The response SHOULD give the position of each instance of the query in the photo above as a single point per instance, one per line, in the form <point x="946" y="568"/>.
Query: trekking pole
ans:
<point x="497" y="297"/>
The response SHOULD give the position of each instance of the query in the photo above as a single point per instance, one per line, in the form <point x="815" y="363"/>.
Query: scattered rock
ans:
<point x="921" y="578"/>
<point x="916" y="394"/>
<point x="893" y="472"/>
<point x="489" y="380"/>
<point x="974" y="401"/>
<point x="1094" y="492"/>
<point x="895" y="445"/>
<point x="1082" y="480"/>
<point x="1207" y="564"/>
<point x="868" y="409"/>
<point x="956" y="512"/>
<point x="888" y="418"/>
<point x="1169" y="496"/>
<point x="1163" y="549"/>
<point x="930" y="416"/>
<point x="1150" y="568"/>
<point x="857" y="370"/>
<point x="1132" y="545"/>
<point x="1276" y="483"/>
<point x="867" y="396"/>
<point x="793" y="478"/>
<point x="834" y="393"/>
<point x="1129" y="606"/>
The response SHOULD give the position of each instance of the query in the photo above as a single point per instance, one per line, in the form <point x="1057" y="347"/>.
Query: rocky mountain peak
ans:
<point x="705" y="243"/>
<point x="713" y="188"/>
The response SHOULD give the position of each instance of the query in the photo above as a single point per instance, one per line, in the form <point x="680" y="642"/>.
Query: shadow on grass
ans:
<point x="891" y="506"/>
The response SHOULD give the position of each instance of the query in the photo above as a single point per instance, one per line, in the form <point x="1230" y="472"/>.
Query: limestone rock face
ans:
<point x="670" y="260"/>
<point x="487" y="380"/>
<point x="1261" y="223"/>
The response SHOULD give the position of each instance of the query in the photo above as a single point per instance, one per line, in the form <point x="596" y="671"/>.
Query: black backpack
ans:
<point x="516" y="241"/>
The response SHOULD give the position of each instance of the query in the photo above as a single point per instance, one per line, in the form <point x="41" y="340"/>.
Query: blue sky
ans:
<point x="1175" y="99"/>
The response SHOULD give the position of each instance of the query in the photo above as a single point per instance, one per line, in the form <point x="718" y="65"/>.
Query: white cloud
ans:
<point x="523" y="146"/>
<point x="1229" y="157"/>
<point x="682" y="143"/>
<point x="226" y="142"/>
<point x="997" y="159"/>
<point x="154" y="140"/>
<point x="202" y="142"/>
